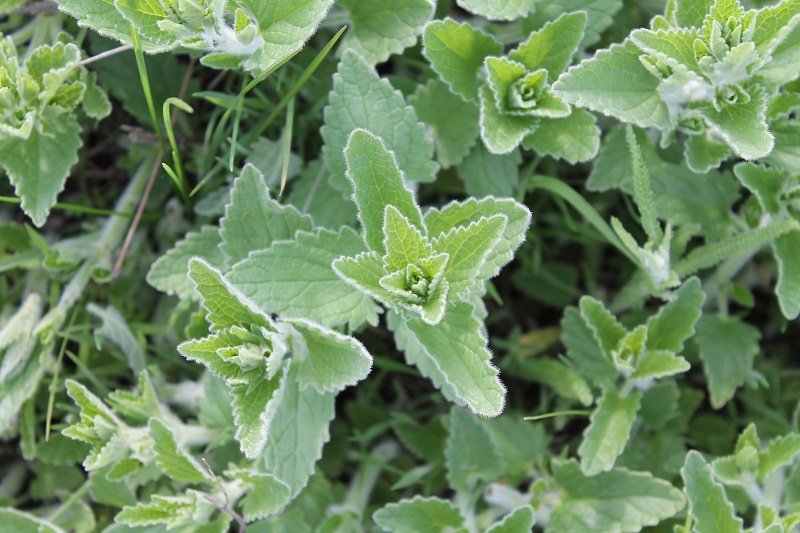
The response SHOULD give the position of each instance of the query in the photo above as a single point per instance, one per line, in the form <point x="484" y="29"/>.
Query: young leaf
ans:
<point x="608" y="332"/>
<point x="172" y="459"/>
<point x="551" y="48"/>
<point x="601" y="15"/>
<point x="765" y="183"/>
<point x="420" y="515"/>
<point x="675" y="321"/>
<point x="115" y="329"/>
<point x="456" y="52"/>
<point x="255" y="405"/>
<point x="502" y="132"/>
<point x="508" y="10"/>
<point x="584" y="350"/>
<point x="470" y="453"/>
<point x="709" y="507"/>
<point x="608" y="431"/>
<point x="781" y="451"/>
<point x="574" y="138"/>
<point x="403" y="243"/>
<point x="267" y="494"/>
<point x="520" y="520"/>
<point x="788" y="287"/>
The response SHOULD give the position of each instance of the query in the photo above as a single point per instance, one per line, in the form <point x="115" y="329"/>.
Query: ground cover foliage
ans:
<point x="414" y="266"/>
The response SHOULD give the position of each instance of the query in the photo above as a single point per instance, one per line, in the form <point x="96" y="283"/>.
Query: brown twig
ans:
<point x="226" y="506"/>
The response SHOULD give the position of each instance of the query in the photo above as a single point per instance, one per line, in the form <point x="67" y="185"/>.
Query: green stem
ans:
<point x="367" y="475"/>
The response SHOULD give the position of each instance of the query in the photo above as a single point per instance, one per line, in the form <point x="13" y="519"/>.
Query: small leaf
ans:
<point x="675" y="321"/>
<point x="404" y="244"/>
<point x="420" y="515"/>
<point x="788" y="286"/>
<point x="508" y="10"/>
<point x="115" y="328"/>
<point x="173" y="460"/>
<point x="552" y="47"/>
<point x="255" y="405"/>
<point x="710" y="509"/>
<point x="574" y="138"/>
<point x="607" y="330"/>
<point x="470" y="453"/>
<point x="743" y="125"/>
<point x="608" y="432"/>
<point x="660" y="363"/>
<point x="501" y="132"/>
<point x="584" y="350"/>
<point x="601" y="15"/>
<point x="520" y="520"/>
<point x="267" y="494"/>
<point x="765" y="183"/>
<point x="781" y="451"/>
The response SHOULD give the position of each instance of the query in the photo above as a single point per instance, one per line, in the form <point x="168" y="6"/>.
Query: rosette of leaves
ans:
<point x="708" y="71"/>
<point x="39" y="129"/>
<point x="247" y="34"/>
<point x="513" y="91"/>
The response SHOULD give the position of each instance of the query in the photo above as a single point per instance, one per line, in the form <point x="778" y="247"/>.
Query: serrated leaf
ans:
<point x="468" y="247"/>
<point x="788" y="286"/>
<point x="454" y="121"/>
<point x="660" y="363"/>
<point x="520" y="520"/>
<point x="608" y="332"/>
<point x="690" y="12"/>
<point x="704" y="153"/>
<point x="168" y="273"/>
<point x="206" y="351"/>
<point x="115" y="328"/>
<point x="674" y="46"/>
<point x="584" y="350"/>
<point x="314" y="194"/>
<point x="379" y="31"/>
<point x="783" y="65"/>
<point x="675" y="321"/>
<point x="501" y="132"/>
<point x="103" y="17"/>
<point x="508" y="10"/>
<point x="574" y="138"/>
<point x="727" y="348"/>
<point x="457" y="347"/>
<point x="403" y="243"/>
<point x="710" y="509"/>
<point x="470" y="453"/>
<point x="743" y="126"/>
<point x="295" y="279"/>
<point x="781" y="451"/>
<point x="600" y="16"/>
<point x="360" y="99"/>
<point x="456" y="52"/>
<point x="420" y="515"/>
<point x="608" y="431"/>
<point x="552" y="47"/>
<point x="364" y="272"/>
<point x="39" y="165"/>
<point x="255" y="406"/>
<point x="95" y="101"/>
<point x="253" y="220"/>
<point x="174" y="461"/>
<point x="328" y="361"/>
<point x="594" y="84"/>
<point x="377" y="183"/>
<point x="765" y="183"/>
<point x="614" y="501"/>
<point x="267" y="494"/>
<point x="487" y="174"/>
<point x="173" y="511"/>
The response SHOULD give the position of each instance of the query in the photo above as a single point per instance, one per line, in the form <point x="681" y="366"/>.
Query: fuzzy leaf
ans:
<point x="584" y="350"/>
<point x="501" y="132"/>
<point x="765" y="183"/>
<point x="743" y="126"/>
<point x="788" y="287"/>
<point x="173" y="460"/>
<point x="574" y="138"/>
<point x="710" y="509"/>
<point x="675" y="321"/>
<point x="487" y="174"/>
<point x="403" y="242"/>
<point x="600" y="16"/>
<point x="659" y="364"/>
<point x="552" y="47"/>
<point x="255" y="405"/>
<point x="115" y="328"/>
<point x="420" y="515"/>
<point x="608" y="432"/>
<point x="781" y="451"/>
<point x="470" y="453"/>
<point x="608" y="332"/>
<point x="508" y="10"/>
<point x="379" y="30"/>
<point x="103" y="17"/>
<point x="520" y="520"/>
<point x="267" y="495"/>
<point x="22" y="522"/>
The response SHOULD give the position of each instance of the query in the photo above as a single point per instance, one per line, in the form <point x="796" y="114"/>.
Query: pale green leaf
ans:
<point x="773" y="24"/>
<point x="765" y="183"/>
<point x="727" y="348"/>
<point x="608" y="431"/>
<point x="173" y="511"/>
<point x="206" y="351"/>
<point x="520" y="520"/>
<point x="380" y="29"/>
<point x="552" y="47"/>
<point x="255" y="405"/>
<point x="145" y="15"/>
<point x="584" y="350"/>
<point x="674" y="46"/>
<point x="616" y="501"/>
<point x="267" y="156"/>
<point x="115" y="328"/>
<point x="295" y="279"/>
<point x="487" y="174"/>
<point x="458" y="350"/>
<point x="16" y="390"/>
<point x="690" y="12"/>
<point x="704" y="153"/>
<point x="313" y="193"/>
<point x="328" y="360"/>
<point x="594" y="83"/>
<point x="743" y="126"/>
<point x="377" y="183"/>
<point x="608" y="332"/>
<point x="708" y="505"/>
<point x="454" y="121"/>
<point x="470" y="453"/>
<point x="267" y="494"/>
<point x="22" y="522"/>
<point x="510" y="81"/>
<point x="456" y="52"/>
<point x="788" y="286"/>
<point x="574" y="138"/>
<point x="501" y="132"/>
<point x="781" y="451"/>
<point x="492" y="10"/>
<point x="174" y="461"/>
<point x="675" y="321"/>
<point x="103" y="17"/>
<point x="600" y="16"/>
<point x="39" y="165"/>
<point x="16" y="343"/>
<point x="403" y="243"/>
<point x="364" y="272"/>
<point x="420" y="515"/>
<point x="786" y="152"/>
<point x="95" y="101"/>
<point x="253" y="220"/>
<point x="563" y="379"/>
<point x="784" y="64"/>
<point x="660" y="363"/>
<point x="360" y="99"/>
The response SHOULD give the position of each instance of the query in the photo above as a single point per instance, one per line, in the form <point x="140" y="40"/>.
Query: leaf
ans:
<point x="727" y="348"/>
<point x="674" y="46"/>
<point x="456" y="52"/>
<point x="103" y="17"/>
<point x="658" y="364"/>
<point x="600" y="16"/>
<point x="267" y="494"/>
<point x="781" y="451"/>
<point x="22" y="522"/>
<point x="173" y="460"/>
<point x="574" y="138"/>
<point x="552" y="47"/>
<point x="295" y="279"/>
<point x="594" y="83"/>
<point x="16" y="343"/>
<point x="314" y="194"/>
<point x="255" y="404"/>
<point x="487" y="174"/>
<point x="584" y="350"/>
<point x="743" y="126"/>
<point x="783" y="65"/>
<point x="328" y="361"/>
<point x="508" y="10"/>
<point x="360" y="99"/>
<point x="454" y="122"/>
<point x="614" y="501"/>
<point x="788" y="286"/>
<point x="115" y="329"/>
<point x="39" y="165"/>
<point x="608" y="332"/>
<point x="704" y="153"/>
<point x="403" y="242"/>
<point x="470" y="453"/>
<point x="377" y="183"/>
<point x="709" y="507"/>
<point x="420" y="515"/>
<point x="691" y="12"/>
<point x="253" y="220"/>
<point x="765" y="183"/>
<point x="168" y="272"/>
<point x="379" y="30"/>
<point x="608" y="431"/>
<point x="457" y="347"/>
<point x="675" y="321"/>
<point x="520" y="520"/>
<point x="468" y="247"/>
<point x="501" y="132"/>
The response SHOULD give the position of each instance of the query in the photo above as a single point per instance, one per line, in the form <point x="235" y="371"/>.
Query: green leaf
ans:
<point x="456" y="52"/>
<point x="39" y="165"/>
<point x="674" y="46"/>
<point x="674" y="323"/>
<point x="470" y="453"/>
<point x="377" y="183"/>
<point x="360" y="99"/>
<point x="784" y="63"/>
<point x="22" y="522"/>
<point x="95" y="101"/>
<point x="295" y="279"/>
<point x="690" y="12"/>
<point x="380" y="30"/>
<point x="420" y="515"/>
<point x="614" y="501"/>
<point x="403" y="242"/>
<point x="552" y="47"/>
<point x="781" y="451"/>
<point x="314" y="194"/>
<point x="103" y="17"/>
<point x="253" y="220"/>
<point x="328" y="360"/>
<point x="608" y="431"/>
<point x="574" y="138"/>
<point x="487" y="174"/>
<point x="743" y="125"/>
<point x="765" y="183"/>
<point x="659" y="364"/>
<point x="115" y="329"/>
<point x="607" y="331"/>
<point x="600" y="16"/>
<point x="520" y="520"/>
<point x="491" y="10"/>
<point x="786" y="152"/>
<point x="255" y="405"/>
<point x="267" y="494"/>
<point x="704" y="153"/>
<point x="709" y="507"/>
<point x="584" y="350"/>
<point x="172" y="459"/>
<point x="454" y="121"/>
<point x="727" y="348"/>
<point x="168" y="272"/>
<point x="788" y="286"/>
<point x="594" y="83"/>
<point x="501" y="132"/>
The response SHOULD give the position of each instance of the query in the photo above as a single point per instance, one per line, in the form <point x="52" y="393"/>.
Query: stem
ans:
<point x="367" y="474"/>
<point x="107" y="53"/>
